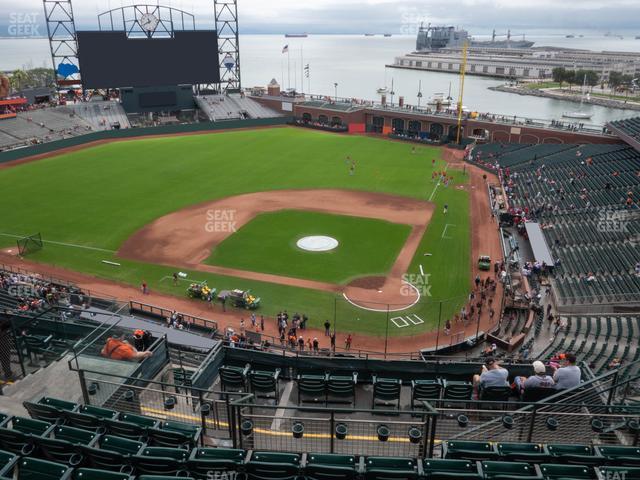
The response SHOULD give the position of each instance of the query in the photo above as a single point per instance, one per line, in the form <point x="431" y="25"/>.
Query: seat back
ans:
<point x="263" y="382"/>
<point x="536" y="394"/>
<point x="98" y="412"/>
<point x="469" y="450"/>
<point x="29" y="425"/>
<point x="504" y="470"/>
<point x="495" y="394"/>
<point x="82" y="420"/>
<point x="123" y="446"/>
<point x="35" y="469"/>
<point x="314" y="386"/>
<point x="124" y="429"/>
<point x="46" y="413"/>
<point x="93" y="474"/>
<point x="160" y="461"/>
<point x="271" y="470"/>
<point x="454" y="469"/>
<point x="74" y="435"/>
<point x="7" y="462"/>
<point x="455" y="390"/>
<point x="102" y="459"/>
<point x="232" y="378"/>
<point x="557" y="472"/>
<point x="386" y="388"/>
<point x="426" y="389"/>
<point x="54" y="450"/>
<point x="58" y="403"/>
<point x="383" y="468"/>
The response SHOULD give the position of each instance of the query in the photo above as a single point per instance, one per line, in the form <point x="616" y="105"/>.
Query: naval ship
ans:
<point x="435" y="38"/>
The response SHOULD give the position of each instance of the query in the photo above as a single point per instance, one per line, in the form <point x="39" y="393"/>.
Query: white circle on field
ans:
<point x="317" y="243"/>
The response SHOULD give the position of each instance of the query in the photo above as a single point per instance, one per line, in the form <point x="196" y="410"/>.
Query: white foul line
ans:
<point x="63" y="244"/>
<point x="445" y="229"/>
<point x="437" y="185"/>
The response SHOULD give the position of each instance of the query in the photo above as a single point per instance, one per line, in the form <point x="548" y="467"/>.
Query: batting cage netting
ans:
<point x="30" y="244"/>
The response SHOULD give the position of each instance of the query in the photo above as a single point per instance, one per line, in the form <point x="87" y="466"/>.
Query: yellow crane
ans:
<point x="463" y="69"/>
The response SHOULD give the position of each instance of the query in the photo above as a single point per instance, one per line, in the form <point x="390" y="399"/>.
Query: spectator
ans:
<point x="327" y="328"/>
<point x="569" y="375"/>
<point x="540" y="379"/>
<point x="120" y="349"/>
<point x="493" y="375"/>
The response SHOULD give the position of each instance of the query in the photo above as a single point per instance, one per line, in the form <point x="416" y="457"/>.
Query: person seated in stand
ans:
<point x="493" y="375"/>
<point x="119" y="349"/>
<point x="540" y="379"/>
<point x="569" y="374"/>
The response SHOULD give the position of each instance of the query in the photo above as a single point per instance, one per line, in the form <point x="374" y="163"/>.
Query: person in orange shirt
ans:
<point x="120" y="349"/>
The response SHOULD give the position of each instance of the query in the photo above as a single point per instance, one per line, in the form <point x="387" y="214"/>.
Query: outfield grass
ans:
<point x="97" y="197"/>
<point x="267" y="244"/>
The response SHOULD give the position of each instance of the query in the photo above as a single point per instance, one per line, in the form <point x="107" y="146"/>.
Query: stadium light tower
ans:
<point x="61" y="30"/>
<point x="226" y="14"/>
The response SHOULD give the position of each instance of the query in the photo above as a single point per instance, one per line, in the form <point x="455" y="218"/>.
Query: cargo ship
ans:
<point x="296" y="35"/>
<point x="436" y="38"/>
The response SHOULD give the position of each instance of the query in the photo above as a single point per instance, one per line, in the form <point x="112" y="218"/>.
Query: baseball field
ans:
<point x="228" y="208"/>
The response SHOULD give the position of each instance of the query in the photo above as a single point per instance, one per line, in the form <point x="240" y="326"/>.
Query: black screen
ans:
<point x="111" y="60"/>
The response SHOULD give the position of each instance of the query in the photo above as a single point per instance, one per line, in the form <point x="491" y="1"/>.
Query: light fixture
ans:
<point x="597" y="425"/>
<point x="341" y="431"/>
<point x="297" y="429"/>
<point x="93" y="388"/>
<point x="169" y="403"/>
<point x="463" y="421"/>
<point x="246" y="427"/>
<point x="129" y="395"/>
<point x="552" y="423"/>
<point x="205" y="409"/>
<point x="507" y="422"/>
<point x="383" y="433"/>
<point x="415" y="434"/>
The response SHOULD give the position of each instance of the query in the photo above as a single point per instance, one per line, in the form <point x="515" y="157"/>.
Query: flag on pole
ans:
<point x="285" y="49"/>
<point x="306" y="70"/>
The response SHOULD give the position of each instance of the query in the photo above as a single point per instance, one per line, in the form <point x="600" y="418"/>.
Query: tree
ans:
<point x="615" y="80"/>
<point x="590" y="77"/>
<point x="18" y="79"/>
<point x="570" y="77"/>
<point x="559" y="74"/>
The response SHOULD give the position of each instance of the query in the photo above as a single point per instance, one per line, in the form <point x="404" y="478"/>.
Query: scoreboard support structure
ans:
<point x="63" y="42"/>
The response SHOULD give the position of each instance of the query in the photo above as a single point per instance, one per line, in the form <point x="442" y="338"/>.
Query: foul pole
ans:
<point x="463" y="69"/>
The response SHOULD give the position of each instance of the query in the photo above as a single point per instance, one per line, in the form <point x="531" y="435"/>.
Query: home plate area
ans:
<point x="407" y="320"/>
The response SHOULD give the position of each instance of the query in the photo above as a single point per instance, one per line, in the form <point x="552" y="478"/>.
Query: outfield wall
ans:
<point x="106" y="135"/>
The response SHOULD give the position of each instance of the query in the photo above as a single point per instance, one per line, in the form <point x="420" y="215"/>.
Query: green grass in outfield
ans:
<point x="98" y="197"/>
<point x="268" y="244"/>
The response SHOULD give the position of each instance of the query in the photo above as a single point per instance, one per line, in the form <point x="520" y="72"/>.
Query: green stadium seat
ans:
<point x="425" y="390"/>
<point x="57" y="403"/>
<point x="7" y="462"/>
<point x="324" y="466"/>
<point x="273" y="466"/>
<point x="619" y="473"/>
<point x="619" y="455"/>
<point x="386" y="391"/>
<point x="160" y="461"/>
<point x="174" y="434"/>
<point x="161" y="477"/>
<point x="83" y="421"/>
<point x="383" y="468"/>
<point x="18" y="433"/>
<point x="265" y="383"/>
<point x="457" y="392"/>
<point x="574" y="454"/>
<point x="442" y="469"/>
<point x="312" y="388"/>
<point x="233" y="378"/>
<point x="509" y="470"/>
<point x="566" y="472"/>
<point x="203" y="460"/>
<point x="46" y="413"/>
<point x="62" y="447"/>
<point x="110" y="453"/>
<point x="35" y="469"/>
<point x="126" y="429"/>
<point x="342" y="388"/>
<point x="523" y="452"/>
<point x="92" y="474"/>
<point x="98" y="412"/>
<point x="469" y="450"/>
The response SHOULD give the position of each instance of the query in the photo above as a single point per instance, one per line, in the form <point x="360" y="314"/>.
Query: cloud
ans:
<point x="358" y="16"/>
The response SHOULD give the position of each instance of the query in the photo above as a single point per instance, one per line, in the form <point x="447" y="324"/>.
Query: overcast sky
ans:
<point x="359" y="16"/>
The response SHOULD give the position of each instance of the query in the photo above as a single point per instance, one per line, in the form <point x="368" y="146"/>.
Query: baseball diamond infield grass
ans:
<point x="268" y="244"/>
<point x="87" y="203"/>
